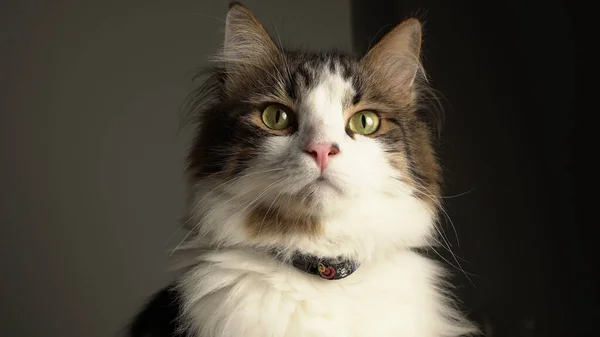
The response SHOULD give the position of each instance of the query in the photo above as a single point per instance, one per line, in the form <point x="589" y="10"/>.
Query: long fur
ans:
<point x="254" y="190"/>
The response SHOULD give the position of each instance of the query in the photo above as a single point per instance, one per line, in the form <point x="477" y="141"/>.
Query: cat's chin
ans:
<point x="319" y="196"/>
<point x="324" y="187"/>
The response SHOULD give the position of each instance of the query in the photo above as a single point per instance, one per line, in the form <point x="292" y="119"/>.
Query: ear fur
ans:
<point x="247" y="46"/>
<point x="396" y="57"/>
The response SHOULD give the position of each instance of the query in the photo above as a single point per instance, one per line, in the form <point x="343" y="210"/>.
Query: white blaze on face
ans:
<point x="322" y="110"/>
<point x="360" y="169"/>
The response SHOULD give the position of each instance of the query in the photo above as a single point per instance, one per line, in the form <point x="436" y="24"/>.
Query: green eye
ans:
<point x="276" y="117"/>
<point x="364" y="122"/>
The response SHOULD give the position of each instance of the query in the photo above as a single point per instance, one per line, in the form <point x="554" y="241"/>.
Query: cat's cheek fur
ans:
<point x="362" y="167"/>
<point x="362" y="227"/>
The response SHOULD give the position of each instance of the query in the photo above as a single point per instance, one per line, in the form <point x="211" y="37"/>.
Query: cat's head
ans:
<point x="320" y="152"/>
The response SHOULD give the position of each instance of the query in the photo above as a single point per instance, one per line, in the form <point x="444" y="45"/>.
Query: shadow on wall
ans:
<point x="507" y="73"/>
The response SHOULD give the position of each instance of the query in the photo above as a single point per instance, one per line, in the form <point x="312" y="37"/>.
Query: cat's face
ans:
<point x="290" y="141"/>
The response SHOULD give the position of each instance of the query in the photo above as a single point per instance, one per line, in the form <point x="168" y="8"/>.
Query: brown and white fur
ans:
<point x="253" y="189"/>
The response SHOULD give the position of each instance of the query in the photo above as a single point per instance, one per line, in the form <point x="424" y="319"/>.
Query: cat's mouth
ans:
<point x="323" y="185"/>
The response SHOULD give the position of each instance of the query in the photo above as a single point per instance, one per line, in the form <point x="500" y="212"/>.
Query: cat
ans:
<point x="313" y="185"/>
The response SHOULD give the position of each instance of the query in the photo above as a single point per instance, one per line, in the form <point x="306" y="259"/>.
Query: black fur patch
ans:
<point x="159" y="318"/>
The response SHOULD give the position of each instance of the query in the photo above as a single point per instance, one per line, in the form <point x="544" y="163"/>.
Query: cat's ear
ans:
<point x="246" y="41"/>
<point x="396" y="57"/>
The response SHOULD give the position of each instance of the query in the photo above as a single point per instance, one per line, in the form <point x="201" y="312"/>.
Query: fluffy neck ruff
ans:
<point x="242" y="292"/>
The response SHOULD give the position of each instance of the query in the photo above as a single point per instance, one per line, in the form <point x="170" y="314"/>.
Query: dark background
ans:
<point x="507" y="73"/>
<point x="91" y="180"/>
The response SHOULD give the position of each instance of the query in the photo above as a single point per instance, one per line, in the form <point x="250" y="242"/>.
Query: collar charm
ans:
<point x="326" y="268"/>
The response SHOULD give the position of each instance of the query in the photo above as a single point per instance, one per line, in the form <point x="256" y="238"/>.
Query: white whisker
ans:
<point x="227" y="182"/>
<point x="447" y="245"/>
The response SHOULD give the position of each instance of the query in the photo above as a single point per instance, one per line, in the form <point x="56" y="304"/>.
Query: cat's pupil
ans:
<point x="277" y="116"/>
<point x="363" y="119"/>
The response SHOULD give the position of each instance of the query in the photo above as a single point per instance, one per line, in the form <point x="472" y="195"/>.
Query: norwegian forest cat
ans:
<point x="313" y="184"/>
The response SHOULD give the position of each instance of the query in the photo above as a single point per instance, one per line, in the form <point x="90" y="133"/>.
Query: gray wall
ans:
<point x="91" y="183"/>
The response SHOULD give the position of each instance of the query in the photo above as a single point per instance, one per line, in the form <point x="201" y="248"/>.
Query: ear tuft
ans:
<point x="235" y="3"/>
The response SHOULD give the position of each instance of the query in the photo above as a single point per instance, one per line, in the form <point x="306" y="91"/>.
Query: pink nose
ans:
<point x="321" y="153"/>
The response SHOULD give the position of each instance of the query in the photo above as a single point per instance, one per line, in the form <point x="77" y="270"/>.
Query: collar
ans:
<point x="326" y="268"/>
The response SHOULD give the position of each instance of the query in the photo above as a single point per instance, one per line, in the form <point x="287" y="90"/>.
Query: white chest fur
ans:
<point x="236" y="293"/>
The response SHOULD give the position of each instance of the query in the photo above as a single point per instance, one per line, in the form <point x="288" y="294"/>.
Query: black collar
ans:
<point x="326" y="268"/>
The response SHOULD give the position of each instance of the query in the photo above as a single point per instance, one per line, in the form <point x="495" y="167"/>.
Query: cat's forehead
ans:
<point x="331" y="91"/>
<point x="311" y="65"/>
<point x="324" y="79"/>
